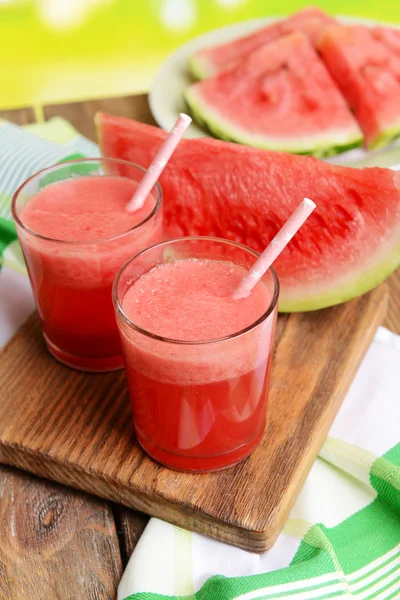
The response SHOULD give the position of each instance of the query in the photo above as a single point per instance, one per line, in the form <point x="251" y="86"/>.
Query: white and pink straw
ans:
<point x="157" y="166"/>
<point x="272" y="251"/>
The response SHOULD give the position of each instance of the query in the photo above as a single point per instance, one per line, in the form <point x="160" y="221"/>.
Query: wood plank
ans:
<point x="22" y="116"/>
<point x="392" y="320"/>
<point x="81" y="114"/>
<point x="130" y="526"/>
<point x="54" y="421"/>
<point x="55" y="542"/>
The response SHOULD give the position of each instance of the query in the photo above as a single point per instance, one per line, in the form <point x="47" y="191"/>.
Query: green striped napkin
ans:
<point x="342" y="538"/>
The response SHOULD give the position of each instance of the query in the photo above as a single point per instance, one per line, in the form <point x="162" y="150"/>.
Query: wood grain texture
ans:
<point x="22" y="116"/>
<point x="392" y="320"/>
<point x="130" y="526"/>
<point x="76" y="428"/>
<point x="81" y="114"/>
<point x="55" y="543"/>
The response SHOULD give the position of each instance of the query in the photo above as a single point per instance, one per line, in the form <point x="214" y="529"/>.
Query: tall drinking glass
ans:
<point x="75" y="234"/>
<point x="198" y="404"/>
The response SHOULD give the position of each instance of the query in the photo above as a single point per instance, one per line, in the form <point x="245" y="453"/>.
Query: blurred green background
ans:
<point x="64" y="50"/>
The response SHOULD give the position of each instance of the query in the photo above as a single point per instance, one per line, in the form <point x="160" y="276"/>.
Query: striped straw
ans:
<point x="158" y="164"/>
<point x="272" y="251"/>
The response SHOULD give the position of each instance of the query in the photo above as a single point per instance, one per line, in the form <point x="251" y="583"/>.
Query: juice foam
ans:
<point x="84" y="209"/>
<point x="191" y="300"/>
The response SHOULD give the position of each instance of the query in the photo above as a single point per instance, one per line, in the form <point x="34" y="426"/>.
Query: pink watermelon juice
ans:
<point x="75" y="234"/>
<point x="197" y="361"/>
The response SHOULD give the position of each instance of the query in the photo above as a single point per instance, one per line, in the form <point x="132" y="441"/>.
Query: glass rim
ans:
<point x="149" y="334"/>
<point x="37" y="235"/>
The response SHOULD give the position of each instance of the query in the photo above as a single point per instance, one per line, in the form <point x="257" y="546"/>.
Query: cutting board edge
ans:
<point x="382" y="300"/>
<point x="41" y="466"/>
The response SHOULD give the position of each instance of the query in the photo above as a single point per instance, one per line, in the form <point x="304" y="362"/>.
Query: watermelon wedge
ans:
<point x="365" y="63"/>
<point x="349" y="244"/>
<point x="207" y="62"/>
<point x="281" y="97"/>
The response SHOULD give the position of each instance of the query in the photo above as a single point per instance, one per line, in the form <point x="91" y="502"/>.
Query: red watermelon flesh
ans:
<point x="365" y="63"/>
<point x="349" y="244"/>
<point x="210" y="61"/>
<point x="389" y="37"/>
<point x="281" y="97"/>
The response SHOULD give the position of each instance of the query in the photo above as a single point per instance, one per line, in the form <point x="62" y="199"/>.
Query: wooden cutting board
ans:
<point x="76" y="428"/>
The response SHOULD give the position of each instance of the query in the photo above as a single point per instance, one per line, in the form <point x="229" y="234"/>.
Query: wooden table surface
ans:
<point x="56" y="542"/>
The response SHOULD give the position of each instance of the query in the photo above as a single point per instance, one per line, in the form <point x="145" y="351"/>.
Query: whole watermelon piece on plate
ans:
<point x="281" y="97"/>
<point x="350" y="243"/>
<point x="207" y="62"/>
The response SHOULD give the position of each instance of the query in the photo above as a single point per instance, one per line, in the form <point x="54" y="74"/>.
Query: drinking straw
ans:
<point x="272" y="251"/>
<point x="160" y="160"/>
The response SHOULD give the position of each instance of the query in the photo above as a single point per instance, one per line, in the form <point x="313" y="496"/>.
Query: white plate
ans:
<point x="172" y="78"/>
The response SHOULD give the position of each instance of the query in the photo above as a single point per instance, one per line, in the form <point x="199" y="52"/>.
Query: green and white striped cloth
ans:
<point x="342" y="538"/>
<point x="23" y="152"/>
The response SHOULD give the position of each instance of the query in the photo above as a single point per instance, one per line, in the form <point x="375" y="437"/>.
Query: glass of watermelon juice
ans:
<point x="197" y="361"/>
<point x="75" y="234"/>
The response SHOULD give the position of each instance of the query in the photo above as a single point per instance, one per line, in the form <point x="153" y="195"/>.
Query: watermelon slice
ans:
<point x="281" y="97"/>
<point x="349" y="244"/>
<point x="365" y="64"/>
<point x="207" y="62"/>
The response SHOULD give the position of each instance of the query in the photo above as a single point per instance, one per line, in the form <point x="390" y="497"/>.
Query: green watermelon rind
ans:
<point x="197" y="69"/>
<point x="322" y="146"/>
<point x="387" y="136"/>
<point x="357" y="283"/>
